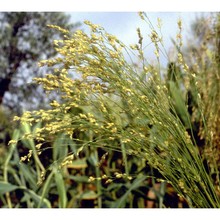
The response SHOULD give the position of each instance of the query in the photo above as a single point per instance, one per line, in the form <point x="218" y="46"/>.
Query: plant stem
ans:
<point x="11" y="150"/>
<point x="97" y="173"/>
<point x="124" y="155"/>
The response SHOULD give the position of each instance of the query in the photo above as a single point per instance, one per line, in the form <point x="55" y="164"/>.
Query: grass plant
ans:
<point x="110" y="104"/>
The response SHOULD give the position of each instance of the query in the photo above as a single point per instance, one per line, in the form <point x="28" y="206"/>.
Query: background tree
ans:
<point x="24" y="40"/>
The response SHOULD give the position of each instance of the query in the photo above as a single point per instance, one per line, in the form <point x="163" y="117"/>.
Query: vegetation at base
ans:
<point x="121" y="135"/>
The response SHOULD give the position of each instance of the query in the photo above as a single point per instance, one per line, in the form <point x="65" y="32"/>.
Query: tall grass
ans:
<point x="126" y="108"/>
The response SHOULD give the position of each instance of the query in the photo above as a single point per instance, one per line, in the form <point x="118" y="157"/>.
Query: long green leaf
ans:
<point x="44" y="203"/>
<point x="61" y="189"/>
<point x="7" y="187"/>
<point x="60" y="147"/>
<point x="120" y="202"/>
<point x="45" y="188"/>
<point x="29" y="175"/>
<point x="179" y="103"/>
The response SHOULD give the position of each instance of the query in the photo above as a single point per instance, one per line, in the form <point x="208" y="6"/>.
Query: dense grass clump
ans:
<point x="108" y="104"/>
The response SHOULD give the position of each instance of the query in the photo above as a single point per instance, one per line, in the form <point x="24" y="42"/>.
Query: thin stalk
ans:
<point x="162" y="193"/>
<point x="98" y="182"/>
<point x="125" y="160"/>
<point x="97" y="173"/>
<point x="5" y="172"/>
<point x="124" y="155"/>
<point x="39" y="166"/>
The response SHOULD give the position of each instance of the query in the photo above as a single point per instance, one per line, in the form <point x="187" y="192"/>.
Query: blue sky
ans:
<point x="120" y="17"/>
<point x="124" y="25"/>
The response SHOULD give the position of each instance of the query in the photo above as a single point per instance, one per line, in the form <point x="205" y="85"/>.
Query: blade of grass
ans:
<point x="15" y="137"/>
<point x="45" y="189"/>
<point x="137" y="182"/>
<point x="61" y="189"/>
<point x="7" y="187"/>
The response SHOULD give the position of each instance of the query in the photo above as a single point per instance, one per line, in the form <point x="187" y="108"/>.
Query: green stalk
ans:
<point x="97" y="173"/>
<point x="39" y="166"/>
<point x="5" y="172"/>
<point x="162" y="193"/>
<point x="125" y="160"/>
<point x="98" y="183"/>
<point x="124" y="155"/>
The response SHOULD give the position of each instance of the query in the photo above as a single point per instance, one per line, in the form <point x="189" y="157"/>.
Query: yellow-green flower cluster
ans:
<point x="91" y="71"/>
<point x="101" y="93"/>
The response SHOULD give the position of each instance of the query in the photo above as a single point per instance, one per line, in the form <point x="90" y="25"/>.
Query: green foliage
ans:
<point x="120" y="203"/>
<point x="63" y="181"/>
<point x="6" y="187"/>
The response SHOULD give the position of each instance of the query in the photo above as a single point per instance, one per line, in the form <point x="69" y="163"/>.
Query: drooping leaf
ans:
<point x="7" y="187"/>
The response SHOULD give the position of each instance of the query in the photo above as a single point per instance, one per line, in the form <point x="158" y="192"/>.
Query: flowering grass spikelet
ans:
<point x="117" y="106"/>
